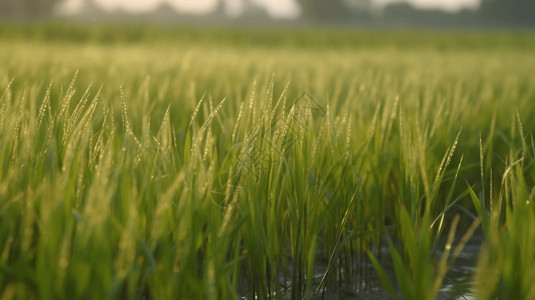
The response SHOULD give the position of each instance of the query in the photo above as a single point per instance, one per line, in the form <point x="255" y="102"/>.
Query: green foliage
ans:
<point x="201" y="164"/>
<point x="508" y="258"/>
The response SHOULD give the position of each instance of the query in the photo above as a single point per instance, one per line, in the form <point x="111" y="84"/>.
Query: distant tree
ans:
<point x="8" y="7"/>
<point x="400" y="10"/>
<point x="26" y="8"/>
<point x="39" y="7"/>
<point x="219" y="10"/>
<point x="510" y="11"/>
<point x="325" y="10"/>
<point x="403" y="13"/>
<point x="362" y="6"/>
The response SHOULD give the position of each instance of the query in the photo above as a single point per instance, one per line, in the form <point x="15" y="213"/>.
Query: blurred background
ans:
<point x="364" y="13"/>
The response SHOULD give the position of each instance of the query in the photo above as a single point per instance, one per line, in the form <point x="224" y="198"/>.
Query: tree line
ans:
<point x="498" y="11"/>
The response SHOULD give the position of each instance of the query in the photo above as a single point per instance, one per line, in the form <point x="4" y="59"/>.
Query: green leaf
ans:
<point x="383" y="276"/>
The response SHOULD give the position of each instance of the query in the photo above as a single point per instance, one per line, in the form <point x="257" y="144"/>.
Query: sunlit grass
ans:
<point x="192" y="170"/>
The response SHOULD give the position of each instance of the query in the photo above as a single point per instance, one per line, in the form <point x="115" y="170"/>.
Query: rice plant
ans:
<point x="225" y="164"/>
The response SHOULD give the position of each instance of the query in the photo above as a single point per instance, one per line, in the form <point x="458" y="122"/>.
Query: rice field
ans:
<point x="196" y="163"/>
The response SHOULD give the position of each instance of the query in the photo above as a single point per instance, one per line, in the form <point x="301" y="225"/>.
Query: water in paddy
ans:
<point x="366" y="284"/>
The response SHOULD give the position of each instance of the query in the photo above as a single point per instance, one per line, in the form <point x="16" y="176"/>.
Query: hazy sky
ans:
<point x="451" y="5"/>
<point x="275" y="8"/>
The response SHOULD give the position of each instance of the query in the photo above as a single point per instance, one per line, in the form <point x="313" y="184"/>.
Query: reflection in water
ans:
<point x="366" y="285"/>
